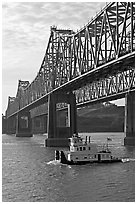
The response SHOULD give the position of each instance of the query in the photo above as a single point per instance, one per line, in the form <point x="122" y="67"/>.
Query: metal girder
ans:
<point x="112" y="87"/>
<point x="120" y="83"/>
<point x="107" y="37"/>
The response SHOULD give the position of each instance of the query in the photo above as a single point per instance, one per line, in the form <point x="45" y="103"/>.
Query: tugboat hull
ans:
<point x="59" y="155"/>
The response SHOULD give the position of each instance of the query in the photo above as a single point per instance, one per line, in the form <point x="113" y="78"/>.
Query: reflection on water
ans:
<point x="29" y="173"/>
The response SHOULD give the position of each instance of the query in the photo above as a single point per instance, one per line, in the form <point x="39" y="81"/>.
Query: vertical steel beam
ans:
<point x="105" y="22"/>
<point x="69" y="55"/>
<point x="100" y="39"/>
<point x="52" y="51"/>
<point x="95" y="33"/>
<point x="124" y="27"/>
<point x="117" y="29"/>
<point x="92" y="51"/>
<point x="132" y="31"/>
<point x="87" y="55"/>
<point x="112" y="35"/>
<point x="79" y="39"/>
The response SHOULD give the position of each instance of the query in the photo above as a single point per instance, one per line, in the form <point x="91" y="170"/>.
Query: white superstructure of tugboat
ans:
<point x="82" y="152"/>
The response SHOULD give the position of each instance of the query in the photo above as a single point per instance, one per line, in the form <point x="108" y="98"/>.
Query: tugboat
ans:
<point x="83" y="152"/>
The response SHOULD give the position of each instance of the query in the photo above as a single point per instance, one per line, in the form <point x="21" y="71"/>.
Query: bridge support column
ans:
<point x="24" y="125"/>
<point x="11" y="125"/>
<point x="129" y="119"/>
<point x="58" y="135"/>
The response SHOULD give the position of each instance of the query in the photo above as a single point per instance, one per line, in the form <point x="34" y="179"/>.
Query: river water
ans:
<point x="30" y="174"/>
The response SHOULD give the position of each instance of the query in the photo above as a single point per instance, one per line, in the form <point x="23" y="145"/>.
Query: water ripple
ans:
<point x="30" y="174"/>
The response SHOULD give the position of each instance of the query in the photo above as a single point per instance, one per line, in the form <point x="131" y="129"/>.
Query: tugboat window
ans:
<point x="80" y="148"/>
<point x="95" y="156"/>
<point x="84" y="148"/>
<point x="77" y="148"/>
<point x="89" y="148"/>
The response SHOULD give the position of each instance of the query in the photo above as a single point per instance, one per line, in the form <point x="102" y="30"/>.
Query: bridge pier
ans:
<point x="24" y="124"/>
<point x="58" y="135"/>
<point x="129" y="119"/>
<point x="39" y="124"/>
<point x="11" y="125"/>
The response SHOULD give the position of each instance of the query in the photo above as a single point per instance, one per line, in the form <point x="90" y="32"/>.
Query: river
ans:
<point x="29" y="173"/>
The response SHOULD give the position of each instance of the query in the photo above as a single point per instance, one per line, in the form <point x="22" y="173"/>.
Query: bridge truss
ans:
<point x="97" y="61"/>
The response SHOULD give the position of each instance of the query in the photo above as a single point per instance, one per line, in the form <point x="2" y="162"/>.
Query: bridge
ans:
<point x="94" y="64"/>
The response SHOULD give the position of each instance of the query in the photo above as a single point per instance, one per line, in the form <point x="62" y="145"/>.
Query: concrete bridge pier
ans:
<point x="129" y="119"/>
<point x="11" y="125"/>
<point x="58" y="135"/>
<point x="23" y="124"/>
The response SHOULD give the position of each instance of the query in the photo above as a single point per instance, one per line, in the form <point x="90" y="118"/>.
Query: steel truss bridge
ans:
<point x="96" y="63"/>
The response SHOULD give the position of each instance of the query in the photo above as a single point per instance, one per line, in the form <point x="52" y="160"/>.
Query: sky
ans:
<point x="25" y="33"/>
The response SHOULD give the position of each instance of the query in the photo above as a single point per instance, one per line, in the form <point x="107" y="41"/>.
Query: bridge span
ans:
<point x="95" y="64"/>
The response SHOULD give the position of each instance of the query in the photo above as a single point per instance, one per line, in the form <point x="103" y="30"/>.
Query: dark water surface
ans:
<point x="28" y="174"/>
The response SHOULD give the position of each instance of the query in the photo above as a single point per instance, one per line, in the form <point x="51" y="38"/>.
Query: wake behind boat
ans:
<point x="83" y="152"/>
